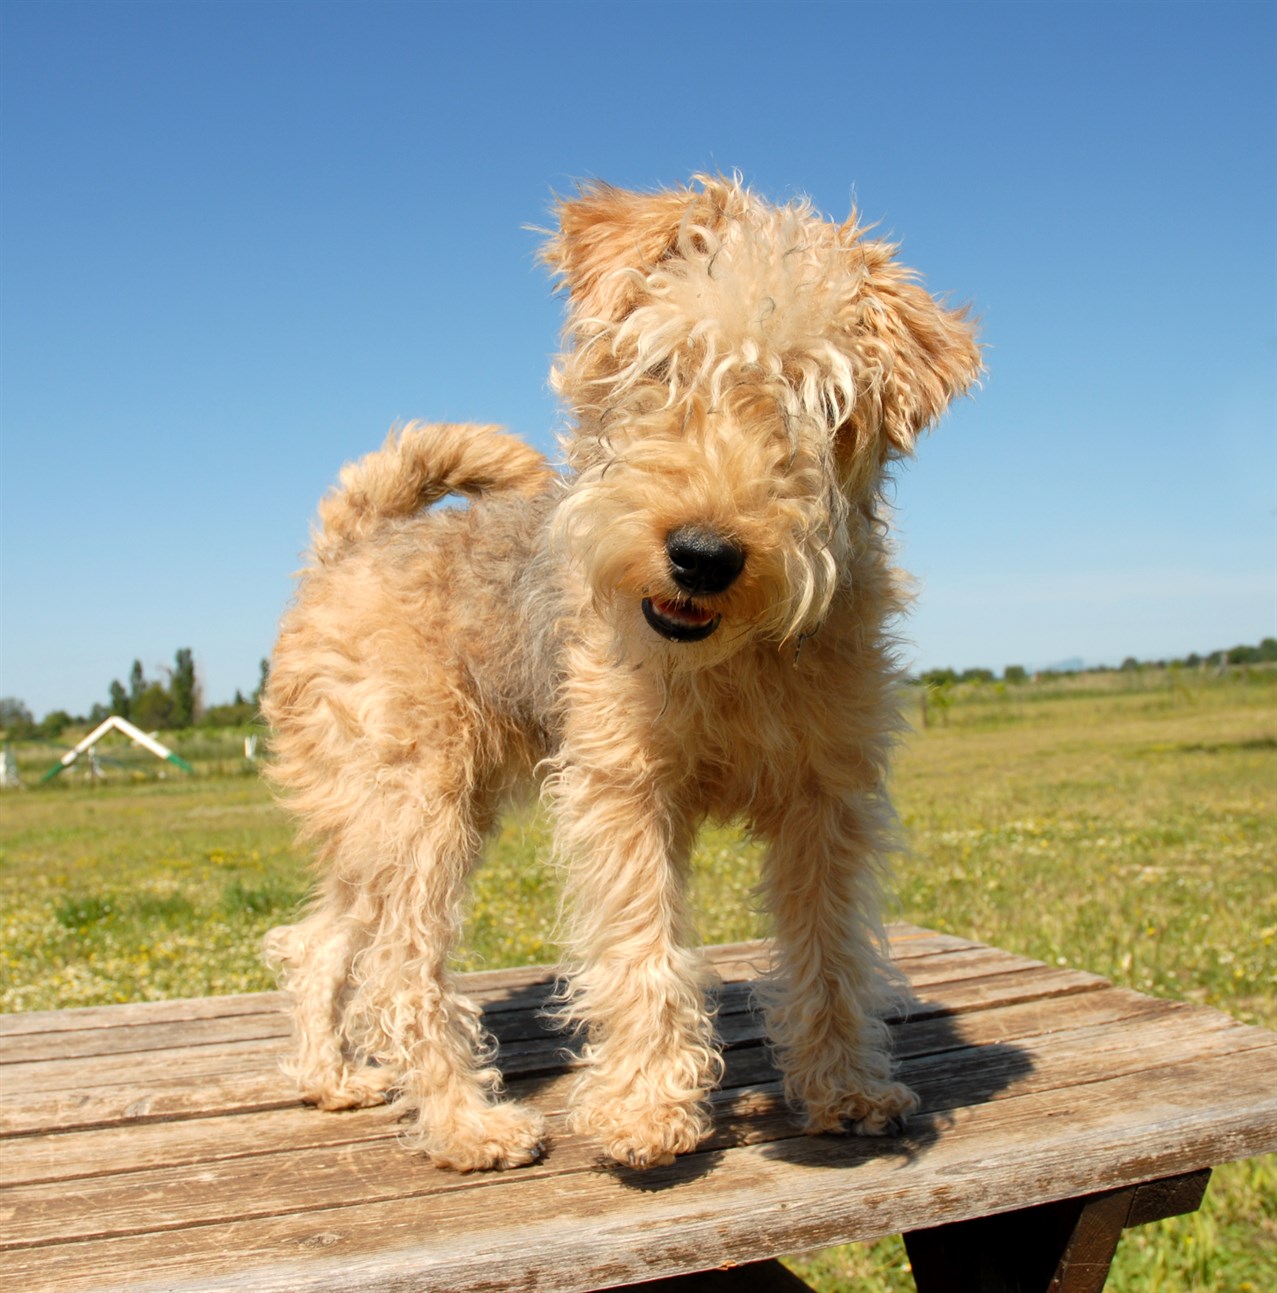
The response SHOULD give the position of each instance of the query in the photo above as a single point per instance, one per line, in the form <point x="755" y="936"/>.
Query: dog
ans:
<point x="690" y="621"/>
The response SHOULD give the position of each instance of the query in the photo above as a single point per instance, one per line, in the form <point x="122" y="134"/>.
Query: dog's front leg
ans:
<point x="649" y="1058"/>
<point x="832" y="979"/>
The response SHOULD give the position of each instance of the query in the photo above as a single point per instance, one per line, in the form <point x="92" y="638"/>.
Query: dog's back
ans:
<point x="367" y="672"/>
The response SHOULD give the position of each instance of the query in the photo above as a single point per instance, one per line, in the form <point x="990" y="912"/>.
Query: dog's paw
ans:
<point x="506" y="1135"/>
<point x="648" y="1137"/>
<point x="874" y="1109"/>
<point x="351" y="1088"/>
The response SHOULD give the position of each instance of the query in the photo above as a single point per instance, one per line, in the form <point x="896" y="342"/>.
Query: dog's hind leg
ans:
<point x="427" y="840"/>
<point x="314" y="958"/>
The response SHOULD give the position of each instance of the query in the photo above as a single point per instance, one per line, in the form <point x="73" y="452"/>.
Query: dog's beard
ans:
<point x="616" y="544"/>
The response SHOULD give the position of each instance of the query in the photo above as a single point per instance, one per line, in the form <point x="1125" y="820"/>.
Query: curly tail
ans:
<point x="418" y="466"/>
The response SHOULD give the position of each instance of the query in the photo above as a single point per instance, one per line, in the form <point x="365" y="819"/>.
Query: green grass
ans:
<point x="1123" y="823"/>
<point x="134" y="893"/>
<point x="1133" y="834"/>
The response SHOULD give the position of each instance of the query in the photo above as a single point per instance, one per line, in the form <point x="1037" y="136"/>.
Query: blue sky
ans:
<point x="239" y="240"/>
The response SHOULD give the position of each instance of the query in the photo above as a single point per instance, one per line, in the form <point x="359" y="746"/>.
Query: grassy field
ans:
<point x="1125" y="823"/>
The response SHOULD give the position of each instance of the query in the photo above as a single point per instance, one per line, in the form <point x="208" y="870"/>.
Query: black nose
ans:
<point x="702" y="561"/>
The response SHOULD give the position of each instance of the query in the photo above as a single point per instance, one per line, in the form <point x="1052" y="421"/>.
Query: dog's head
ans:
<point x="739" y="377"/>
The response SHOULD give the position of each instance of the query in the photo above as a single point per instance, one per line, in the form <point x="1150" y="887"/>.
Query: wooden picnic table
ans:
<point x="156" y="1146"/>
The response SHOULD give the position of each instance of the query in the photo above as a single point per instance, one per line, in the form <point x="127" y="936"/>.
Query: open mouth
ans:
<point x="679" y="621"/>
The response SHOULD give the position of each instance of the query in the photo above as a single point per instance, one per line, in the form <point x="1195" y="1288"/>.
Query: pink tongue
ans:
<point x="683" y="612"/>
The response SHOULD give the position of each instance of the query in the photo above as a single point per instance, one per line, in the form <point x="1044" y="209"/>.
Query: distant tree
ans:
<point x="53" y="724"/>
<point x="99" y="712"/>
<point x="119" y="699"/>
<point x="183" y="690"/>
<point x="977" y="675"/>
<point x="239" y="698"/>
<point x="939" y="677"/>
<point x="1243" y="655"/>
<point x="15" y="718"/>
<point x="1268" y="650"/>
<point x="1015" y="673"/>
<point x="261" y="682"/>
<point x="1130" y="664"/>
<point x="153" y="708"/>
<point x="137" y="681"/>
<point x="240" y="714"/>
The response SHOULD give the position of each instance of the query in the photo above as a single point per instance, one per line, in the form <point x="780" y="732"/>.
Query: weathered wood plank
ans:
<point x="158" y="1144"/>
<point x="750" y="1110"/>
<point x="125" y="1038"/>
<point x="506" y="1010"/>
<point x="143" y="1026"/>
<point x="714" y="1208"/>
<point x="129" y="1146"/>
<point x="478" y="983"/>
<point x="243" y="1076"/>
<point x="176" y="1010"/>
<point x="508" y="1023"/>
<point x="65" y="1057"/>
<point x="753" y="1277"/>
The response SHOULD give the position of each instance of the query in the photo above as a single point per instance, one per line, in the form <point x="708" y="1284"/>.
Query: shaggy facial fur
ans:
<point x="689" y="623"/>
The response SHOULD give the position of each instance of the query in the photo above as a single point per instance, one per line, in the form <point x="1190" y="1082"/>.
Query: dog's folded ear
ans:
<point x="733" y="271"/>
<point x="604" y="232"/>
<point x="919" y="353"/>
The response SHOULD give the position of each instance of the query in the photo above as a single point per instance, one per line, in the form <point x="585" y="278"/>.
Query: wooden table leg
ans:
<point x="1064" y="1247"/>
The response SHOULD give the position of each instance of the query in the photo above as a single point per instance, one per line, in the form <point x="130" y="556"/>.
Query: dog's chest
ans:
<point x="746" y="738"/>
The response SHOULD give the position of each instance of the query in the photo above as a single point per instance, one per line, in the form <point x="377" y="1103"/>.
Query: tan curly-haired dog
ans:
<point x="689" y="623"/>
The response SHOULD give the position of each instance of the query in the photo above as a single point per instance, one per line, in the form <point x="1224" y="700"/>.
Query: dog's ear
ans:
<point x="604" y="232"/>
<point x="922" y="353"/>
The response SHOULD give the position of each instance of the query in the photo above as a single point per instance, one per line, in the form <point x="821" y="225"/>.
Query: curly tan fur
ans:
<point x="690" y="623"/>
